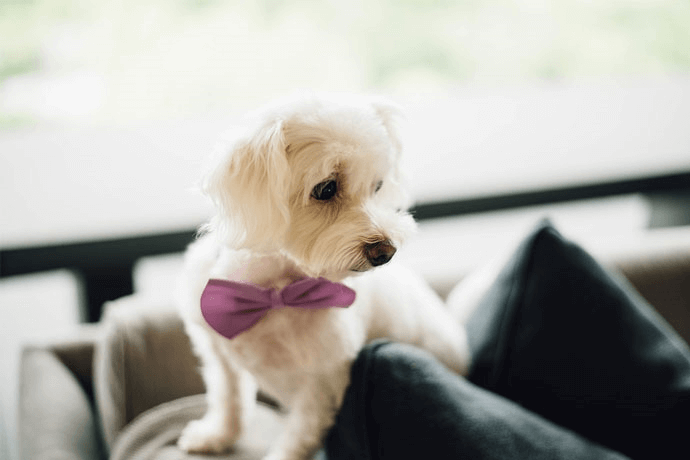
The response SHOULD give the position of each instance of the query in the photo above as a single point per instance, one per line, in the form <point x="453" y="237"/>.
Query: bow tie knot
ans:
<point x="276" y="299"/>
<point x="230" y="307"/>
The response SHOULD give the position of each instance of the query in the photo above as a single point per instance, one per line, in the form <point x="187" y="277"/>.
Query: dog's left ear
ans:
<point x="249" y="185"/>
<point x="391" y="116"/>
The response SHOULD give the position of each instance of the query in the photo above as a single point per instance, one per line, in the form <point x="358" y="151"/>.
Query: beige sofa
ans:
<point x="126" y="386"/>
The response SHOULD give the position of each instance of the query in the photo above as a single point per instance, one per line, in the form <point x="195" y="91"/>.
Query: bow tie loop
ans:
<point x="230" y="307"/>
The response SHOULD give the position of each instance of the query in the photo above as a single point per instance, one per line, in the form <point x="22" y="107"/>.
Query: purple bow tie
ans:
<point x="230" y="307"/>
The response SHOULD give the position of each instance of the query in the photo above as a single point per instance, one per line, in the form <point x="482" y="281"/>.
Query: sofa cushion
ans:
<point x="143" y="359"/>
<point x="153" y="434"/>
<point x="575" y="344"/>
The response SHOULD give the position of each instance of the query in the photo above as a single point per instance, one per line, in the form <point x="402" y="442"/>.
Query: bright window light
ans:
<point x="105" y="62"/>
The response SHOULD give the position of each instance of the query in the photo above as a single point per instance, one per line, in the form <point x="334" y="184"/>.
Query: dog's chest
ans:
<point x="292" y="340"/>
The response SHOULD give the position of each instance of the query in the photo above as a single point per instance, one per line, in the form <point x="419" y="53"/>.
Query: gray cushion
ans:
<point x="143" y="359"/>
<point x="154" y="433"/>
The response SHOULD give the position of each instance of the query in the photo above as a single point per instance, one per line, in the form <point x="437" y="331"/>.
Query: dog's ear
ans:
<point x="248" y="184"/>
<point x="391" y="117"/>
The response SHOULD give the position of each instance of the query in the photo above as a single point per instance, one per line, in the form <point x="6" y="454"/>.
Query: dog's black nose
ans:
<point x="379" y="253"/>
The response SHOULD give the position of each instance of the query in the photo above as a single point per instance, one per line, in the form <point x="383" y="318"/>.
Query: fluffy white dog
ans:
<point x="309" y="187"/>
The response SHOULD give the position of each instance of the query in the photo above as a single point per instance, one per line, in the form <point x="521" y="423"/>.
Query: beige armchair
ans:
<point x="127" y="386"/>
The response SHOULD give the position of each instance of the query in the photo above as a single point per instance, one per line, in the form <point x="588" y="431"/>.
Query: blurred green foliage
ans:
<point x="152" y="58"/>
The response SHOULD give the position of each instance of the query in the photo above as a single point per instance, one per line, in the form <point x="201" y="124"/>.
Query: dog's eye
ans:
<point x="325" y="190"/>
<point x="379" y="184"/>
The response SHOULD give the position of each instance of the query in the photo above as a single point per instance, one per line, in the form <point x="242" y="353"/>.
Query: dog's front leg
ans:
<point x="312" y="414"/>
<point x="230" y="395"/>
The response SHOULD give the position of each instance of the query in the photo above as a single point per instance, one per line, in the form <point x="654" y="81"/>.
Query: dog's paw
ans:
<point x="206" y="437"/>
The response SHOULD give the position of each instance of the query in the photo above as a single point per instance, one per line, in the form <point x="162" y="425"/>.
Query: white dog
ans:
<point x="309" y="187"/>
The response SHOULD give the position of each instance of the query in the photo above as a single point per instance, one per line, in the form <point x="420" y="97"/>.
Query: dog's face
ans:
<point x="317" y="180"/>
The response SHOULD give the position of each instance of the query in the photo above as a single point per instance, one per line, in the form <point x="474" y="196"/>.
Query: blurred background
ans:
<point x="119" y="62"/>
<point x="108" y="108"/>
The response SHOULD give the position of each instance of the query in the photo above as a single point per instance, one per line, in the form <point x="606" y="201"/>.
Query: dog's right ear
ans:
<point x="248" y="183"/>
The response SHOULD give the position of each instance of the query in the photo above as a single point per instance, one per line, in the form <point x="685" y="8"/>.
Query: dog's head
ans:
<point x="317" y="179"/>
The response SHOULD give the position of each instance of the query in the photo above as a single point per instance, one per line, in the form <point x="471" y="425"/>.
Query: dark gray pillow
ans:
<point x="569" y="341"/>
<point x="404" y="404"/>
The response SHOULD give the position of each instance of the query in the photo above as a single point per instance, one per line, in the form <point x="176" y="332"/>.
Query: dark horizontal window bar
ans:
<point x="657" y="184"/>
<point x="101" y="254"/>
<point x="91" y="255"/>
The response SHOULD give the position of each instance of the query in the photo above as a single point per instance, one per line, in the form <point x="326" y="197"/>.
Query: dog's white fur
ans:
<point x="270" y="231"/>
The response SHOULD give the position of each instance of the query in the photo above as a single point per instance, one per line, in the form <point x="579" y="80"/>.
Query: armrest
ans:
<point x="662" y="279"/>
<point x="56" y="417"/>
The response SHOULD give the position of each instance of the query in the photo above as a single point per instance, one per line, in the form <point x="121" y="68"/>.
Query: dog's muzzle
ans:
<point x="379" y="253"/>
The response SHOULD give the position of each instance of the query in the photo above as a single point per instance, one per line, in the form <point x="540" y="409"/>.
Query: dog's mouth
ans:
<point x="361" y="268"/>
<point x="360" y="264"/>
